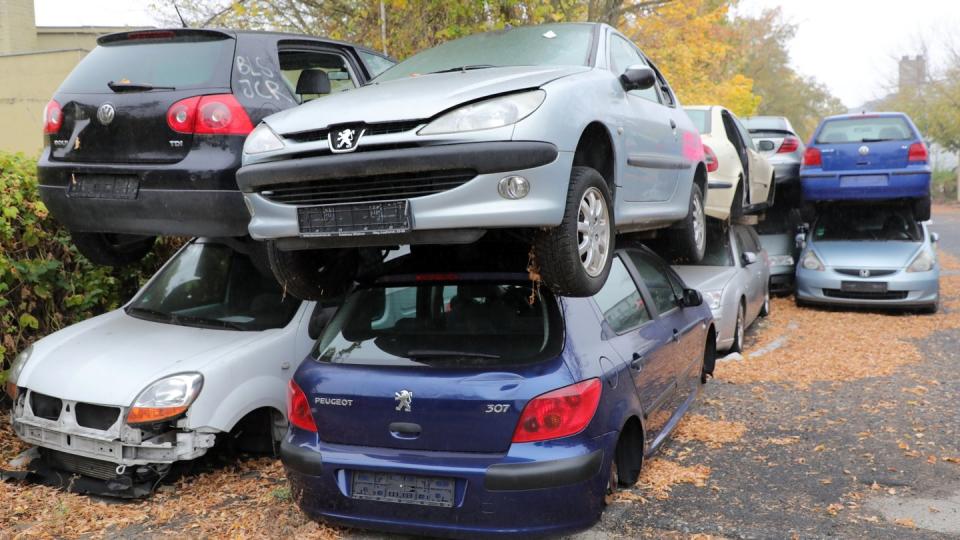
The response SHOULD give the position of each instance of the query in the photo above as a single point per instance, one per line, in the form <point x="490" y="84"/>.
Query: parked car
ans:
<point x="733" y="278"/>
<point x="740" y="178"/>
<point x="144" y="136"/>
<point x="868" y="157"/>
<point x="200" y="356"/>
<point x="472" y="136"/>
<point x="778" y="236"/>
<point x="776" y="139"/>
<point x="869" y="256"/>
<point x="492" y="406"/>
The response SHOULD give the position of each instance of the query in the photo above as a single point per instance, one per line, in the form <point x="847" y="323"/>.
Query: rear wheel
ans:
<point x="689" y="239"/>
<point x="314" y="274"/>
<point x="627" y="460"/>
<point x="765" y="308"/>
<point x="738" y="204"/>
<point x="113" y="249"/>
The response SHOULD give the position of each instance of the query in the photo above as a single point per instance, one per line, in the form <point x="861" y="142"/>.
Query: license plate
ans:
<point x="868" y="180"/>
<point x="103" y="186"/>
<point x="354" y="219"/>
<point x="864" y="286"/>
<point x="403" y="488"/>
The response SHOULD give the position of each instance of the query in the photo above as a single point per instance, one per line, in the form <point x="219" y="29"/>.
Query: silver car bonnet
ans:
<point x="706" y="278"/>
<point x="413" y="98"/>
<point x="866" y="254"/>
<point x="778" y="244"/>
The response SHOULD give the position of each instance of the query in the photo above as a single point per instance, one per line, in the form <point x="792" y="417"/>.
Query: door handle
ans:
<point x="637" y="363"/>
<point x="405" y="430"/>
<point x="673" y="124"/>
<point x="676" y="335"/>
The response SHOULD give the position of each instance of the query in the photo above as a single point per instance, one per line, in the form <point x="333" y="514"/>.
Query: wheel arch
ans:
<point x="595" y="149"/>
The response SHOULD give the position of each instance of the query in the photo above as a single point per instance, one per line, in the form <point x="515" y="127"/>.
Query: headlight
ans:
<point x="15" y="369"/>
<point x="811" y="261"/>
<point x="923" y="262"/>
<point x="781" y="260"/>
<point x="262" y="139"/>
<point x="492" y="113"/>
<point x="167" y="398"/>
<point x="713" y="298"/>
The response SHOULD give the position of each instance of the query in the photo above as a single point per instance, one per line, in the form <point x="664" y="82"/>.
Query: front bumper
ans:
<point x="533" y="490"/>
<point x="905" y="289"/>
<point x="473" y="206"/>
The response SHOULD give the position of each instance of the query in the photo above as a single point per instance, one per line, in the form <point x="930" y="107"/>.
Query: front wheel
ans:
<point x="112" y="249"/>
<point x="738" y="332"/>
<point x="574" y="257"/>
<point x="314" y="274"/>
<point x="765" y="308"/>
<point x="689" y="239"/>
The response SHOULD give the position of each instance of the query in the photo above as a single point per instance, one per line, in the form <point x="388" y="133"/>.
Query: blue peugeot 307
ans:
<point x="867" y="157"/>
<point x="472" y="404"/>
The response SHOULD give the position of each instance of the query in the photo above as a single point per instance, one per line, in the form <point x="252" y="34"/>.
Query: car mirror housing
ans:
<point x="691" y="298"/>
<point x="638" y="77"/>
<point x="934" y="237"/>
<point x="800" y="241"/>
<point x="749" y="258"/>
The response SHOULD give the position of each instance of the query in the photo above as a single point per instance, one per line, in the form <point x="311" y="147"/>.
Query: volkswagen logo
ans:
<point x="864" y="273"/>
<point x="864" y="150"/>
<point x="344" y="139"/>
<point x="105" y="113"/>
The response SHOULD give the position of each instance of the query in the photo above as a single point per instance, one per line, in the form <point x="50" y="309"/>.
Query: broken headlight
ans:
<point x="165" y="399"/>
<point x="15" y="369"/>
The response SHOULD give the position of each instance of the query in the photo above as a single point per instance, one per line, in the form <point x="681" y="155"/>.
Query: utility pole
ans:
<point x="383" y="27"/>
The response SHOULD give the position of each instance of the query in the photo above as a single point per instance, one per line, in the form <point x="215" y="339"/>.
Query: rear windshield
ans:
<point x="182" y="63"/>
<point x="464" y="324"/>
<point x="701" y="119"/>
<point x="764" y="123"/>
<point x="867" y="223"/>
<point x="865" y="129"/>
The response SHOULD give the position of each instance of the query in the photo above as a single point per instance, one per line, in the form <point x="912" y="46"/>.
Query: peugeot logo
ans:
<point x="105" y="113"/>
<point x="864" y="150"/>
<point x="405" y="399"/>
<point x="864" y="273"/>
<point x="344" y="139"/>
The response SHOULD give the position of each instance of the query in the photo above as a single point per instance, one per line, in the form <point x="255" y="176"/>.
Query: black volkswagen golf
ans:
<point x="143" y="138"/>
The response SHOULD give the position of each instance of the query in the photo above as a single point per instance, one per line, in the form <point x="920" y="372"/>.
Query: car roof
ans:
<point x="888" y="114"/>
<point x="234" y="33"/>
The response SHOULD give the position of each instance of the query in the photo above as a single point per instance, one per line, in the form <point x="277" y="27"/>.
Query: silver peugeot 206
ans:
<point x="557" y="136"/>
<point x="869" y="256"/>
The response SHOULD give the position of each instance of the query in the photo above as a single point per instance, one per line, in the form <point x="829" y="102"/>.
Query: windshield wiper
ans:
<point x="463" y="68"/>
<point x="153" y="313"/>
<point x="135" y="87"/>
<point x="200" y="321"/>
<point x="876" y="140"/>
<point x="427" y="353"/>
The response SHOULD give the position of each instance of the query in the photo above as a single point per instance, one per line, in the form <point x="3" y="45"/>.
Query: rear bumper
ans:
<point x="907" y="290"/>
<point x="782" y="283"/>
<point x="786" y="173"/>
<point x="899" y="184"/>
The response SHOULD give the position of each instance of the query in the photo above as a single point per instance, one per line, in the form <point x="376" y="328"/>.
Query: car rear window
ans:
<point x="444" y="324"/>
<point x="869" y="222"/>
<point x="700" y="118"/>
<point x="764" y="123"/>
<point x="182" y="63"/>
<point x="865" y="129"/>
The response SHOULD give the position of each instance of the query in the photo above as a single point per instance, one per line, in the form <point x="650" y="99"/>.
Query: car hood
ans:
<point x="413" y="98"/>
<point x="110" y="359"/>
<point x="778" y="244"/>
<point x="866" y="254"/>
<point x="706" y="278"/>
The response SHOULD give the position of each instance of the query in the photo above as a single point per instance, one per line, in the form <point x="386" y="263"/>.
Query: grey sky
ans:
<point x="849" y="45"/>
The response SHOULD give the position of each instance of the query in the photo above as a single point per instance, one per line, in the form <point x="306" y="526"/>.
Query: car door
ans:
<point x="642" y="343"/>
<point x="650" y="134"/>
<point x="761" y="174"/>
<point x="753" y="288"/>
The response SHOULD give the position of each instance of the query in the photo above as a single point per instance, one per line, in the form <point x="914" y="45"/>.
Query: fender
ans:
<point x="270" y="392"/>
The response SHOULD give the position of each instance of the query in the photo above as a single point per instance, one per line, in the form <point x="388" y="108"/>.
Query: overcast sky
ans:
<point x="849" y="45"/>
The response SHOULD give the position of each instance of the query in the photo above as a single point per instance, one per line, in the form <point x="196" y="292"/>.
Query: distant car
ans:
<point x="491" y="407"/>
<point x="144" y="137"/>
<point x="778" y="236"/>
<point x="556" y="136"/>
<point x="200" y="356"/>
<point x="740" y="177"/>
<point x="869" y="256"/>
<point x="779" y="143"/>
<point x="733" y="278"/>
<point x="868" y="157"/>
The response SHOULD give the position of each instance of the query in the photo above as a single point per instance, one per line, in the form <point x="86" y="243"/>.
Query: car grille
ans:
<point x="45" y="406"/>
<point x="367" y="189"/>
<point x="96" y="468"/>
<point x="96" y="416"/>
<point x="856" y="272"/>
<point x="860" y="295"/>
<point x="383" y="128"/>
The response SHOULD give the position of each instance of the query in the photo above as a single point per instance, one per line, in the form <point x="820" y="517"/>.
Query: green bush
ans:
<point x="45" y="284"/>
<point x="944" y="186"/>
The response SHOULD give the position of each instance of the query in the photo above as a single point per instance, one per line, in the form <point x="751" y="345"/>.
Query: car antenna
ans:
<point x="183" y="22"/>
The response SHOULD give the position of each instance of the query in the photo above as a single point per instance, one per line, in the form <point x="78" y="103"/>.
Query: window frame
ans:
<point x="643" y="60"/>
<point x="660" y="267"/>
<point x="644" y="295"/>
<point x="299" y="46"/>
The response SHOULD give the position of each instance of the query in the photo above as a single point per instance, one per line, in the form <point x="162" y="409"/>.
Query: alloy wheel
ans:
<point x="593" y="231"/>
<point x="699" y="225"/>
<point x="739" y="329"/>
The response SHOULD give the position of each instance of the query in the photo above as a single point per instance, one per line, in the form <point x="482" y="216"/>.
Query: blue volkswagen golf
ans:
<point x="471" y="404"/>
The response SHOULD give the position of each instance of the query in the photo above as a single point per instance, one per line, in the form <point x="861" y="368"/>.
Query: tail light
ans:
<point x="52" y="117"/>
<point x="917" y="153"/>
<point x="711" y="158"/>
<point x="298" y="409"/>
<point x="789" y="144"/>
<point x="812" y="157"/>
<point x="219" y="114"/>
<point x="559" y="413"/>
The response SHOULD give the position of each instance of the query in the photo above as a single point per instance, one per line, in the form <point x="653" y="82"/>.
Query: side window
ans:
<point x="375" y="63"/>
<point x="744" y="242"/>
<point x="314" y="74"/>
<point x="654" y="276"/>
<point x="620" y="301"/>
<point x="744" y="134"/>
<point x="623" y="55"/>
<point x="665" y="92"/>
<point x="733" y="135"/>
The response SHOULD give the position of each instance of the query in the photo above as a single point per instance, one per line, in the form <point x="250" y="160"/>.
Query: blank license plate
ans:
<point x="355" y="219"/>
<point x="864" y="286"/>
<point x="869" y="180"/>
<point x="103" y="186"/>
<point x="403" y="488"/>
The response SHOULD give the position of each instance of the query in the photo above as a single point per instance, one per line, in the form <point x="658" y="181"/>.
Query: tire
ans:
<point x="709" y="358"/>
<point x="772" y="193"/>
<point x="108" y="249"/>
<point x="314" y="274"/>
<point x="765" y="308"/>
<point x="563" y="268"/>
<point x="689" y="239"/>
<point x="738" y="204"/>
<point x="921" y="209"/>
<point x="738" y="330"/>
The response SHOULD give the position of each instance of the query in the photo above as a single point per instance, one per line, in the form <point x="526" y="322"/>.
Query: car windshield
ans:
<point x="444" y="324"/>
<point x="700" y="118"/>
<point x="210" y="285"/>
<point x="865" y="129"/>
<point x="543" y="45"/>
<point x="867" y="222"/>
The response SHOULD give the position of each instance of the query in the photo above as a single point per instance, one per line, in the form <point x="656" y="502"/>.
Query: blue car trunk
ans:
<point x="880" y="156"/>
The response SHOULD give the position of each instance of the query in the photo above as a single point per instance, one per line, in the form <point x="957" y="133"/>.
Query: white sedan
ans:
<point x="740" y="179"/>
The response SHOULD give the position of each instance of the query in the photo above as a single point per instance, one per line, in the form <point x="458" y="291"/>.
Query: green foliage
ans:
<point x="45" y="284"/>
<point x="944" y="188"/>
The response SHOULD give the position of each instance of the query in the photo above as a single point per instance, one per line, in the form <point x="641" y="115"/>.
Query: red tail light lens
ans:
<point x="917" y="153"/>
<point x="812" y="157"/>
<point x="298" y="409"/>
<point x="559" y="413"/>
<point x="710" y="158"/>
<point x="52" y="118"/>
<point x="789" y="144"/>
<point x="219" y="114"/>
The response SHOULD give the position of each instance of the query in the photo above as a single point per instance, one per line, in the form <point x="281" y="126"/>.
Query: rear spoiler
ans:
<point x="163" y="34"/>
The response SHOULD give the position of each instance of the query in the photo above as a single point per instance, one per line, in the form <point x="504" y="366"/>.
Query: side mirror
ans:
<point x="318" y="320"/>
<point x="691" y="298"/>
<point x="748" y="258"/>
<point x="766" y="146"/>
<point x="800" y="240"/>
<point x="638" y="77"/>
<point x="934" y="237"/>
